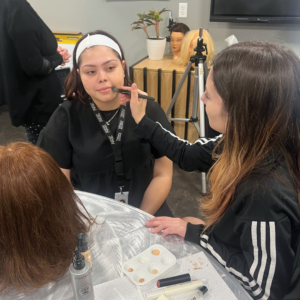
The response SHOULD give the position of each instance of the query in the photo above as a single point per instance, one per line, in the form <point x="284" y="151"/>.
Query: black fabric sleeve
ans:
<point x="193" y="233"/>
<point x="263" y="263"/>
<point x="156" y="114"/>
<point x="23" y="29"/>
<point x="54" y="139"/>
<point x="189" y="157"/>
<point x="266" y="260"/>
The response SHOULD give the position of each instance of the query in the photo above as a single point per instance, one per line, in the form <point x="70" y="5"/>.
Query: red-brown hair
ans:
<point x="40" y="218"/>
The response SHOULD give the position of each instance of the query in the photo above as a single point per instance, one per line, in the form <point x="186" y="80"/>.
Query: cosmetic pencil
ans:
<point x="116" y="90"/>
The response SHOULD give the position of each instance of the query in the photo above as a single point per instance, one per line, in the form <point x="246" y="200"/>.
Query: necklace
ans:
<point x="108" y="122"/>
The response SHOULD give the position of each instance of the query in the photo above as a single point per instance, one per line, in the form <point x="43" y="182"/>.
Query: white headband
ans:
<point x="97" y="40"/>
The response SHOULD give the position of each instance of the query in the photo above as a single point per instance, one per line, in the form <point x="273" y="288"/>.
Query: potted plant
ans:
<point x="155" y="45"/>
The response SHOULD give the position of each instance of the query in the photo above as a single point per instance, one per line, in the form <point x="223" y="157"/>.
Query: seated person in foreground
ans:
<point x="40" y="218"/>
<point x="252" y="217"/>
<point x="92" y="134"/>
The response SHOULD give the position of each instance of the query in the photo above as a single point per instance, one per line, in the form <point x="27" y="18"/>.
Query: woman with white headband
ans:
<point x="92" y="134"/>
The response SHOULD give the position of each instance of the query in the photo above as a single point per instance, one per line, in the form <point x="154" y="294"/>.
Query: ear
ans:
<point x="123" y="65"/>
<point x="78" y="72"/>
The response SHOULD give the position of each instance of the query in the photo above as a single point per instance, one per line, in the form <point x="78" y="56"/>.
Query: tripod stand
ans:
<point x="201" y="72"/>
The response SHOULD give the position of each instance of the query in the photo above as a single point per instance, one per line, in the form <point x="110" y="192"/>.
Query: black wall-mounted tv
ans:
<point x="255" y="11"/>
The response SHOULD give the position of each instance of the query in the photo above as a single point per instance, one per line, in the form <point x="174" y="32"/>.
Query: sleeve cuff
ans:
<point x="193" y="233"/>
<point x="145" y="127"/>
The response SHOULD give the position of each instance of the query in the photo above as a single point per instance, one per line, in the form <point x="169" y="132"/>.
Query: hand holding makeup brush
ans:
<point x="137" y="105"/>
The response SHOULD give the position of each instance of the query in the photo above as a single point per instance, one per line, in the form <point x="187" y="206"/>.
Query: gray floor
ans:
<point x="186" y="188"/>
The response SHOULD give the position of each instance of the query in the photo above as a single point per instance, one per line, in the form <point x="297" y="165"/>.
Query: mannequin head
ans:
<point x="177" y="34"/>
<point x="190" y="42"/>
<point x="40" y="218"/>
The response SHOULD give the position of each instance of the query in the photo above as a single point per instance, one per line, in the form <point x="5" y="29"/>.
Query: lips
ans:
<point x="104" y="90"/>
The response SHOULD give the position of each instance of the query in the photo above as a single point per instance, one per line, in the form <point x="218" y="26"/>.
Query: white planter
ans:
<point x="156" y="48"/>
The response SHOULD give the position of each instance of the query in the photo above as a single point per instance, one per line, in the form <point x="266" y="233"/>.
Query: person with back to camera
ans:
<point x="40" y="220"/>
<point x="252" y="217"/>
<point x="28" y="57"/>
<point x="92" y="134"/>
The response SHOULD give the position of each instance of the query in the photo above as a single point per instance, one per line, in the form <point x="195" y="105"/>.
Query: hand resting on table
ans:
<point x="171" y="225"/>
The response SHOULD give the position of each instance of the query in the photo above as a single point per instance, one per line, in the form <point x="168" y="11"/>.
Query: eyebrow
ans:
<point x="107" y="62"/>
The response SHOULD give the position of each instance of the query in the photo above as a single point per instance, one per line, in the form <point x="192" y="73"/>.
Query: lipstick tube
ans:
<point x="174" y="290"/>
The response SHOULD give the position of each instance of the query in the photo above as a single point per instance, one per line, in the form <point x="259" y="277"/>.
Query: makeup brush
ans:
<point x="116" y="90"/>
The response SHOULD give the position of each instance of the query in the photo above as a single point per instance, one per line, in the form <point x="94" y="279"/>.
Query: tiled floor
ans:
<point x="186" y="188"/>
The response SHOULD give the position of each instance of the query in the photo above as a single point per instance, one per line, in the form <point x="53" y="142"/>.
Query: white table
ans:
<point x="120" y="235"/>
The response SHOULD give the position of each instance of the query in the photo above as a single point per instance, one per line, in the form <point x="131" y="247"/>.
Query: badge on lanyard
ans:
<point x="122" y="196"/>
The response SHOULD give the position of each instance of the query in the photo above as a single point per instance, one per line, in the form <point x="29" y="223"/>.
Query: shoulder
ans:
<point x="74" y="105"/>
<point x="157" y="114"/>
<point x="16" y="6"/>
<point x="153" y="107"/>
<point x="267" y="196"/>
<point x="69" y="110"/>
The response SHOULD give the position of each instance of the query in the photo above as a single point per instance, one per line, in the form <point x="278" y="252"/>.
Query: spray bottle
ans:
<point x="81" y="277"/>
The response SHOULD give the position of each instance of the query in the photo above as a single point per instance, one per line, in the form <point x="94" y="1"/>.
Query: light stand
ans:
<point x="201" y="73"/>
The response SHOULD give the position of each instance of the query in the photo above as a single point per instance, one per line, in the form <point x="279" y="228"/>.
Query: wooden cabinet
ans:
<point x="160" y="79"/>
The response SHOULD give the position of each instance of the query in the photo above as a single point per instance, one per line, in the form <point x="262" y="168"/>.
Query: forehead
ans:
<point x="209" y="82"/>
<point x="98" y="53"/>
<point x="177" y="35"/>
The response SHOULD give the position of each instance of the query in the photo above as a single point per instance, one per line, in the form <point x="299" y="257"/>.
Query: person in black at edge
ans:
<point x="91" y="136"/>
<point x="28" y="57"/>
<point x="252" y="218"/>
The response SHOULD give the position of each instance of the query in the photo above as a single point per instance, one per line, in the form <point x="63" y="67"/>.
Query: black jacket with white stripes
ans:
<point x="257" y="238"/>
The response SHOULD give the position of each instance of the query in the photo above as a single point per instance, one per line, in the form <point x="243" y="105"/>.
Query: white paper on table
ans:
<point x="197" y="265"/>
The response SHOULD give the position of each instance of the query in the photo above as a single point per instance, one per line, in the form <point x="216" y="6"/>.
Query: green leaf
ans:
<point x="136" y="27"/>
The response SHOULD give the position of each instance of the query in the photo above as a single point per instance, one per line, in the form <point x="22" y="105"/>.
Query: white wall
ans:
<point x="116" y="17"/>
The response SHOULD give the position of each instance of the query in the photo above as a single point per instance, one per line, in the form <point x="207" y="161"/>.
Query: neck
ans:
<point x="107" y="106"/>
<point x="176" y="55"/>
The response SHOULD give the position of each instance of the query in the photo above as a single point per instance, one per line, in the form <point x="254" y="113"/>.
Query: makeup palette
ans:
<point x="149" y="264"/>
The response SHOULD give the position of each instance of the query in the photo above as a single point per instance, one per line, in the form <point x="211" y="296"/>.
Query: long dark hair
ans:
<point x="40" y="218"/>
<point x="259" y="84"/>
<point x="73" y="84"/>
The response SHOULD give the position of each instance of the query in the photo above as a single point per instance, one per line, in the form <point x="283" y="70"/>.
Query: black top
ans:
<point x="258" y="238"/>
<point x="28" y="56"/>
<point x="74" y="138"/>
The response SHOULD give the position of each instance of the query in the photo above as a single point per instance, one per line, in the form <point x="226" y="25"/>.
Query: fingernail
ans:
<point x="134" y="85"/>
<point x="152" y="230"/>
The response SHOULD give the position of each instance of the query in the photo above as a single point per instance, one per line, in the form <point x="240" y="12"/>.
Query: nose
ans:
<point x="102" y="76"/>
<point x="202" y="98"/>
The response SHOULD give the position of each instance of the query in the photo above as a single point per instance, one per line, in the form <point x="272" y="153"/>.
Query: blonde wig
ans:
<point x="190" y="42"/>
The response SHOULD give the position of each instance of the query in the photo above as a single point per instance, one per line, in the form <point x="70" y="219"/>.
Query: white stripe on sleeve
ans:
<point x="202" y="141"/>
<point x="255" y="249"/>
<point x="264" y="253"/>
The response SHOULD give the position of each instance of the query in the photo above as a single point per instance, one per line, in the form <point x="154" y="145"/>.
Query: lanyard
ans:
<point x="116" y="142"/>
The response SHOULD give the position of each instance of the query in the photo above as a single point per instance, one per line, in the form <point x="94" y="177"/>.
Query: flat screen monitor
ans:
<point x="255" y="11"/>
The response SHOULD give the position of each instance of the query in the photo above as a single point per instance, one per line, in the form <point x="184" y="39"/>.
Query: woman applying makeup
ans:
<point x="91" y="135"/>
<point x="252" y="217"/>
